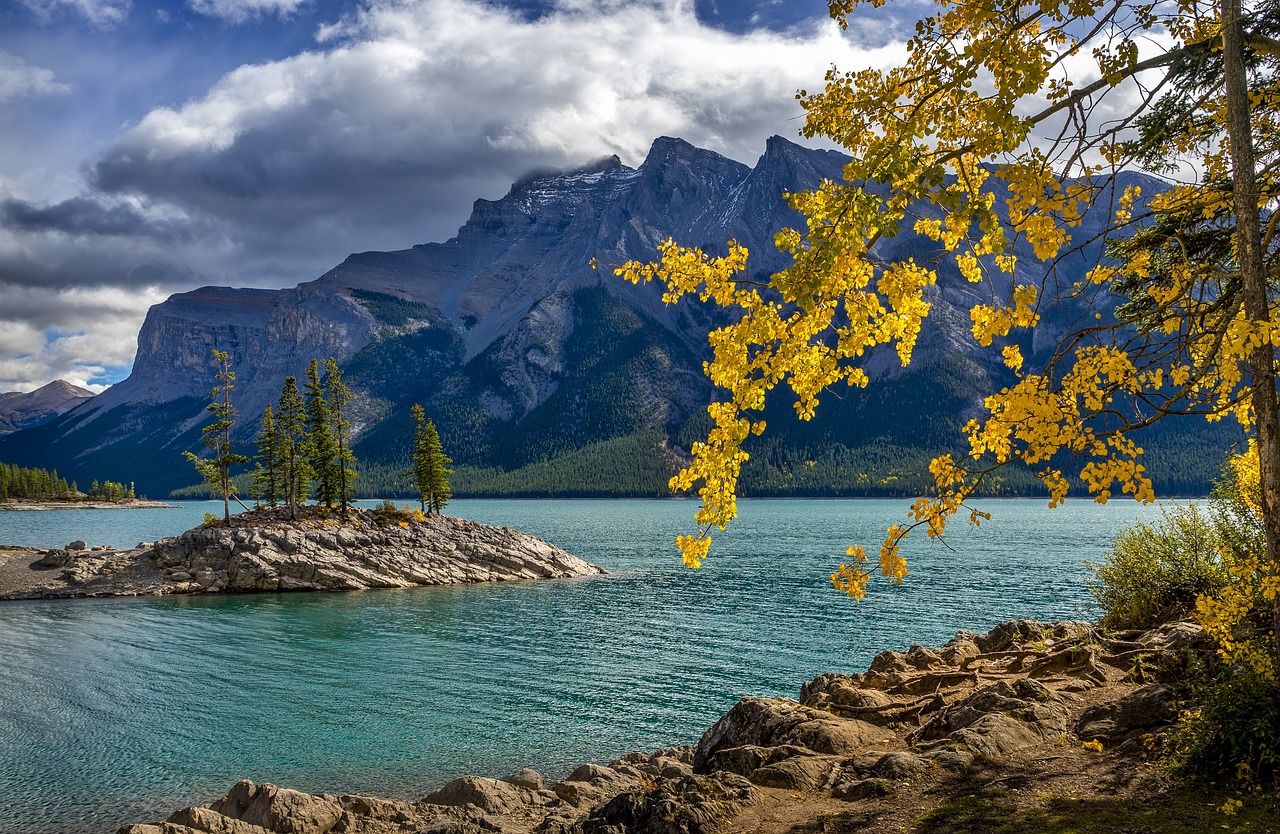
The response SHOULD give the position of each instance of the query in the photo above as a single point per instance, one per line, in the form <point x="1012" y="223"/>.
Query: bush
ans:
<point x="388" y="513"/>
<point x="1233" y="732"/>
<point x="1155" y="572"/>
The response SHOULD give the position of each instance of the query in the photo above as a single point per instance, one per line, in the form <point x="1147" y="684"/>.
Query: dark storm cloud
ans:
<point x="87" y="217"/>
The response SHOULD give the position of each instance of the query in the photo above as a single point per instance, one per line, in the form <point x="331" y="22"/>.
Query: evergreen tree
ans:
<point x="290" y="434"/>
<point x="216" y="470"/>
<point x="437" y="469"/>
<point x="339" y="397"/>
<point x="321" y="450"/>
<point x="421" y="471"/>
<point x="266" y="476"/>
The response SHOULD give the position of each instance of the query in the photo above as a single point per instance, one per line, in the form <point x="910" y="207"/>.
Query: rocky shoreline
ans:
<point x="1025" y="716"/>
<point x="130" y="504"/>
<point x="275" y="556"/>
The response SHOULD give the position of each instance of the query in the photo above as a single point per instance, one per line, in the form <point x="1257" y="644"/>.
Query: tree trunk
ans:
<point x="1262" y="376"/>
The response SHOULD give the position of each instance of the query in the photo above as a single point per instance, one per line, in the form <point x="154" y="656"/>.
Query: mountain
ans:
<point x="20" y="410"/>
<point x="544" y="375"/>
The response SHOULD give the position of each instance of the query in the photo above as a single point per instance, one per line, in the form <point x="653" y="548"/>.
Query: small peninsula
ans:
<point x="265" y="552"/>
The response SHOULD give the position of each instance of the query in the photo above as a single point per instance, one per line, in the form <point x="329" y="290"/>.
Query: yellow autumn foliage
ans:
<point x="993" y="137"/>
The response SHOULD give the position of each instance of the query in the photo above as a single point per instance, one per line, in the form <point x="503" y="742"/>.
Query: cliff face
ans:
<point x="25" y="410"/>
<point x="520" y="351"/>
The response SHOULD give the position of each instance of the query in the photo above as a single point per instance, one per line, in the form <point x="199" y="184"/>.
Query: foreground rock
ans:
<point x="887" y="750"/>
<point x="281" y="556"/>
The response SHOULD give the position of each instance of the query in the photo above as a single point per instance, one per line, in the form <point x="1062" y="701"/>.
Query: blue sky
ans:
<point x="148" y="148"/>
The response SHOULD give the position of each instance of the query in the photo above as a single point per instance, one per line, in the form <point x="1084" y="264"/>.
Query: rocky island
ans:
<point x="266" y="552"/>
<point x="1031" y="727"/>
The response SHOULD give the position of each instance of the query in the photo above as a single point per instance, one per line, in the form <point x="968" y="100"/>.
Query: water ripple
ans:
<point x="114" y="711"/>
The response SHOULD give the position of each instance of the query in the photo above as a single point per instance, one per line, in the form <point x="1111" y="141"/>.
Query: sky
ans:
<point x="148" y="148"/>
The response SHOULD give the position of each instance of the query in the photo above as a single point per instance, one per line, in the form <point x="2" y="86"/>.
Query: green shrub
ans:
<point x="1154" y="572"/>
<point x="1234" y="731"/>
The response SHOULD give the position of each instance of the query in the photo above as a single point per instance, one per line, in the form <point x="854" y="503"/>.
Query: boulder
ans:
<point x="78" y="545"/>
<point x="775" y="722"/>
<point x="527" y="778"/>
<point x="1138" y="713"/>
<point x="56" y="558"/>
<point x="492" y="796"/>
<point x="689" y="805"/>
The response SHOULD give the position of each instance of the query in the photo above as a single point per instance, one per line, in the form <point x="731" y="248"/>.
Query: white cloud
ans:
<point x="75" y="334"/>
<point x="101" y="13"/>
<point x="239" y="11"/>
<point x="18" y="79"/>
<point x="382" y="137"/>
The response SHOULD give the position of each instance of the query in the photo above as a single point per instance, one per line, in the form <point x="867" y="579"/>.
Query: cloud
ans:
<point x="239" y="11"/>
<point x="380" y="137"/>
<point x="82" y="217"/>
<point x="18" y="79"/>
<point x="79" y="335"/>
<point x="101" y="13"/>
<point x="412" y="109"/>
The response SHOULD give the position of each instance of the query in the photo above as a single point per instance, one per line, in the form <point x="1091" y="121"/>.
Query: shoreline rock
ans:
<point x="285" y="556"/>
<point x="1040" y="707"/>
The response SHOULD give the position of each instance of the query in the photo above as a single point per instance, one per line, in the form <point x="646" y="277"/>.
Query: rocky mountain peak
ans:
<point x="22" y="410"/>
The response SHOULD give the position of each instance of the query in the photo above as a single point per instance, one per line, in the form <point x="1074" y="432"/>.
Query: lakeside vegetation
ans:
<point x="19" y="483"/>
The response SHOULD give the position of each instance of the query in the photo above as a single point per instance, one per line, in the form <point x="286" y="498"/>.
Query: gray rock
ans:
<point x="1141" y="711"/>
<point x="78" y="545"/>
<point x="527" y="778"/>
<point x="56" y="558"/>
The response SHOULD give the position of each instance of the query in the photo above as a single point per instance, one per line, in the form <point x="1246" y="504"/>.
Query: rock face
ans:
<point x="978" y="710"/>
<point x="356" y="555"/>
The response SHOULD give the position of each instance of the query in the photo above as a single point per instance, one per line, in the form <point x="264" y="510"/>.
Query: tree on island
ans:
<point x="339" y="396"/>
<point x="327" y="444"/>
<point x="430" y="465"/>
<point x="319" y="447"/>
<point x="288" y="449"/>
<point x="216" y="470"/>
<point x="1035" y="108"/>
<point x="266" y="488"/>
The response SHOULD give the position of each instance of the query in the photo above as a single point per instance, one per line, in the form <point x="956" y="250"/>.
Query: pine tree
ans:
<point x="339" y="396"/>
<point x="438" y="471"/>
<point x="216" y="470"/>
<point x="290" y="433"/>
<point x="421" y="471"/>
<point x="321" y="450"/>
<point x="266" y="476"/>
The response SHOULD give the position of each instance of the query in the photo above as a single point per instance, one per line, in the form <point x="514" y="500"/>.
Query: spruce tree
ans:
<point x="421" y="471"/>
<point x="339" y="397"/>
<point x="266" y="476"/>
<point x="321" y="450"/>
<point x="216" y="470"/>
<point x="438" y="471"/>
<point x="290" y="431"/>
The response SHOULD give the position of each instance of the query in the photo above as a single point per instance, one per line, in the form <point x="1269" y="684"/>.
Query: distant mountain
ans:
<point x="19" y="410"/>
<point x="544" y="375"/>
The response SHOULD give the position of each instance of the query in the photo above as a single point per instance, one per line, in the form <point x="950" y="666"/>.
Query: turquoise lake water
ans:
<point x="118" y="711"/>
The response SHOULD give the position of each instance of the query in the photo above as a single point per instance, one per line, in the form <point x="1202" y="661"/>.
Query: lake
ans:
<point x="122" y="710"/>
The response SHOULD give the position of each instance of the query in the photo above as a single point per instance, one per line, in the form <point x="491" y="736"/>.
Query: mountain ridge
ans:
<point x="522" y="351"/>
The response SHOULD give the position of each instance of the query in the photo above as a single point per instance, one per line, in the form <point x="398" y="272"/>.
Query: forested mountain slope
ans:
<point x="544" y="375"/>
